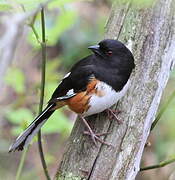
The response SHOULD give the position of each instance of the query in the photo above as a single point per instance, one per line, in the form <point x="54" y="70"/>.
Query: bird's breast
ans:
<point x="104" y="98"/>
<point x="97" y="97"/>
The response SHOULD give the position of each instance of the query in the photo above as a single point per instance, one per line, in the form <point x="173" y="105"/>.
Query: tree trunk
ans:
<point x="150" y="33"/>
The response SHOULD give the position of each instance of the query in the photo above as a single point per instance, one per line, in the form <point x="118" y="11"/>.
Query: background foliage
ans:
<point x="71" y="26"/>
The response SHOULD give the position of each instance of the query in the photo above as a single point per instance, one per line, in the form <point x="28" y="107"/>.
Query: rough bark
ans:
<point x="150" y="33"/>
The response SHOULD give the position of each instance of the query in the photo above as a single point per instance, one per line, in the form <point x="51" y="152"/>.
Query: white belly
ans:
<point x="110" y="97"/>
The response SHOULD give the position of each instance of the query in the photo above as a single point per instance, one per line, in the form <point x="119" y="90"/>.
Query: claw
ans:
<point x="111" y="113"/>
<point x="94" y="137"/>
<point x="98" y="134"/>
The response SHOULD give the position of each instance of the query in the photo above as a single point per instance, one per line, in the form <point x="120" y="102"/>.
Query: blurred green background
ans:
<point x="71" y="26"/>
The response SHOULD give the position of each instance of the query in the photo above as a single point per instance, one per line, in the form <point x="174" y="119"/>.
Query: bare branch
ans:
<point x="13" y="25"/>
<point x="161" y="164"/>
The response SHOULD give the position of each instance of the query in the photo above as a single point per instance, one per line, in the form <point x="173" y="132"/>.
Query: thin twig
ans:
<point x="161" y="164"/>
<point x="43" y="46"/>
<point x="35" y="33"/>
<point x="31" y="24"/>
<point x="163" y="109"/>
<point x="21" y="164"/>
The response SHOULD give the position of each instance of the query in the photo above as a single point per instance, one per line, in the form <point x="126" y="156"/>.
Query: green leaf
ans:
<point x="5" y="6"/>
<point x="172" y="74"/>
<point x="62" y="23"/>
<point x="58" y="122"/>
<point x="143" y="3"/>
<point x="17" y="130"/>
<point x="49" y="158"/>
<point x="15" y="78"/>
<point x="22" y="117"/>
<point x="59" y="3"/>
<point x="19" y="116"/>
<point x="51" y="72"/>
<point x="55" y="27"/>
<point x="49" y="89"/>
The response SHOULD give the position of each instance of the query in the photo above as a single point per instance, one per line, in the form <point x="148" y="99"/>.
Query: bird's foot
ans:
<point x="96" y="137"/>
<point x="112" y="114"/>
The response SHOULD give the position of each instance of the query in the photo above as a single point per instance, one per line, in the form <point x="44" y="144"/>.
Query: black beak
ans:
<point x="94" y="48"/>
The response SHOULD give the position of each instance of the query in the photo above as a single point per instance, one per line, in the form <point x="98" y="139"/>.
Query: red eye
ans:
<point x="109" y="53"/>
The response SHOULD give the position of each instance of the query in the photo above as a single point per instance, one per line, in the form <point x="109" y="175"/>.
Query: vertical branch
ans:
<point x="21" y="164"/>
<point x="43" y="46"/>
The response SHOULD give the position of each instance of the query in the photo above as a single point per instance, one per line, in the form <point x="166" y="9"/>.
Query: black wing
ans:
<point x="75" y="81"/>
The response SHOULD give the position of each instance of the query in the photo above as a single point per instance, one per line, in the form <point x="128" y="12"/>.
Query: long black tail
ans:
<point x="25" y="138"/>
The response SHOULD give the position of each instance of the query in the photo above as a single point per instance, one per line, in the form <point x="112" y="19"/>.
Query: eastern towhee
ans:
<point x="93" y="85"/>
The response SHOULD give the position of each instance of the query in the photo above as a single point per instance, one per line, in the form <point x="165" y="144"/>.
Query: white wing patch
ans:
<point x="70" y="92"/>
<point x="67" y="75"/>
<point x="68" y="95"/>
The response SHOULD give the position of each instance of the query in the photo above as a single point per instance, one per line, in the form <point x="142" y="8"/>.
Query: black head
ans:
<point x="113" y="50"/>
<point x="108" y="48"/>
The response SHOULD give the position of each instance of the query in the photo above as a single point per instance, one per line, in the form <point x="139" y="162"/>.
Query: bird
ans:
<point x="94" y="84"/>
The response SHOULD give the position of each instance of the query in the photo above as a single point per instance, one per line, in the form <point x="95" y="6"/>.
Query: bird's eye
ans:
<point x="109" y="53"/>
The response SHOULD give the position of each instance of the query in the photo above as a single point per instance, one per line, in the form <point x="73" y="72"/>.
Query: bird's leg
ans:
<point x="95" y="137"/>
<point x="113" y="113"/>
<point x="97" y="134"/>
